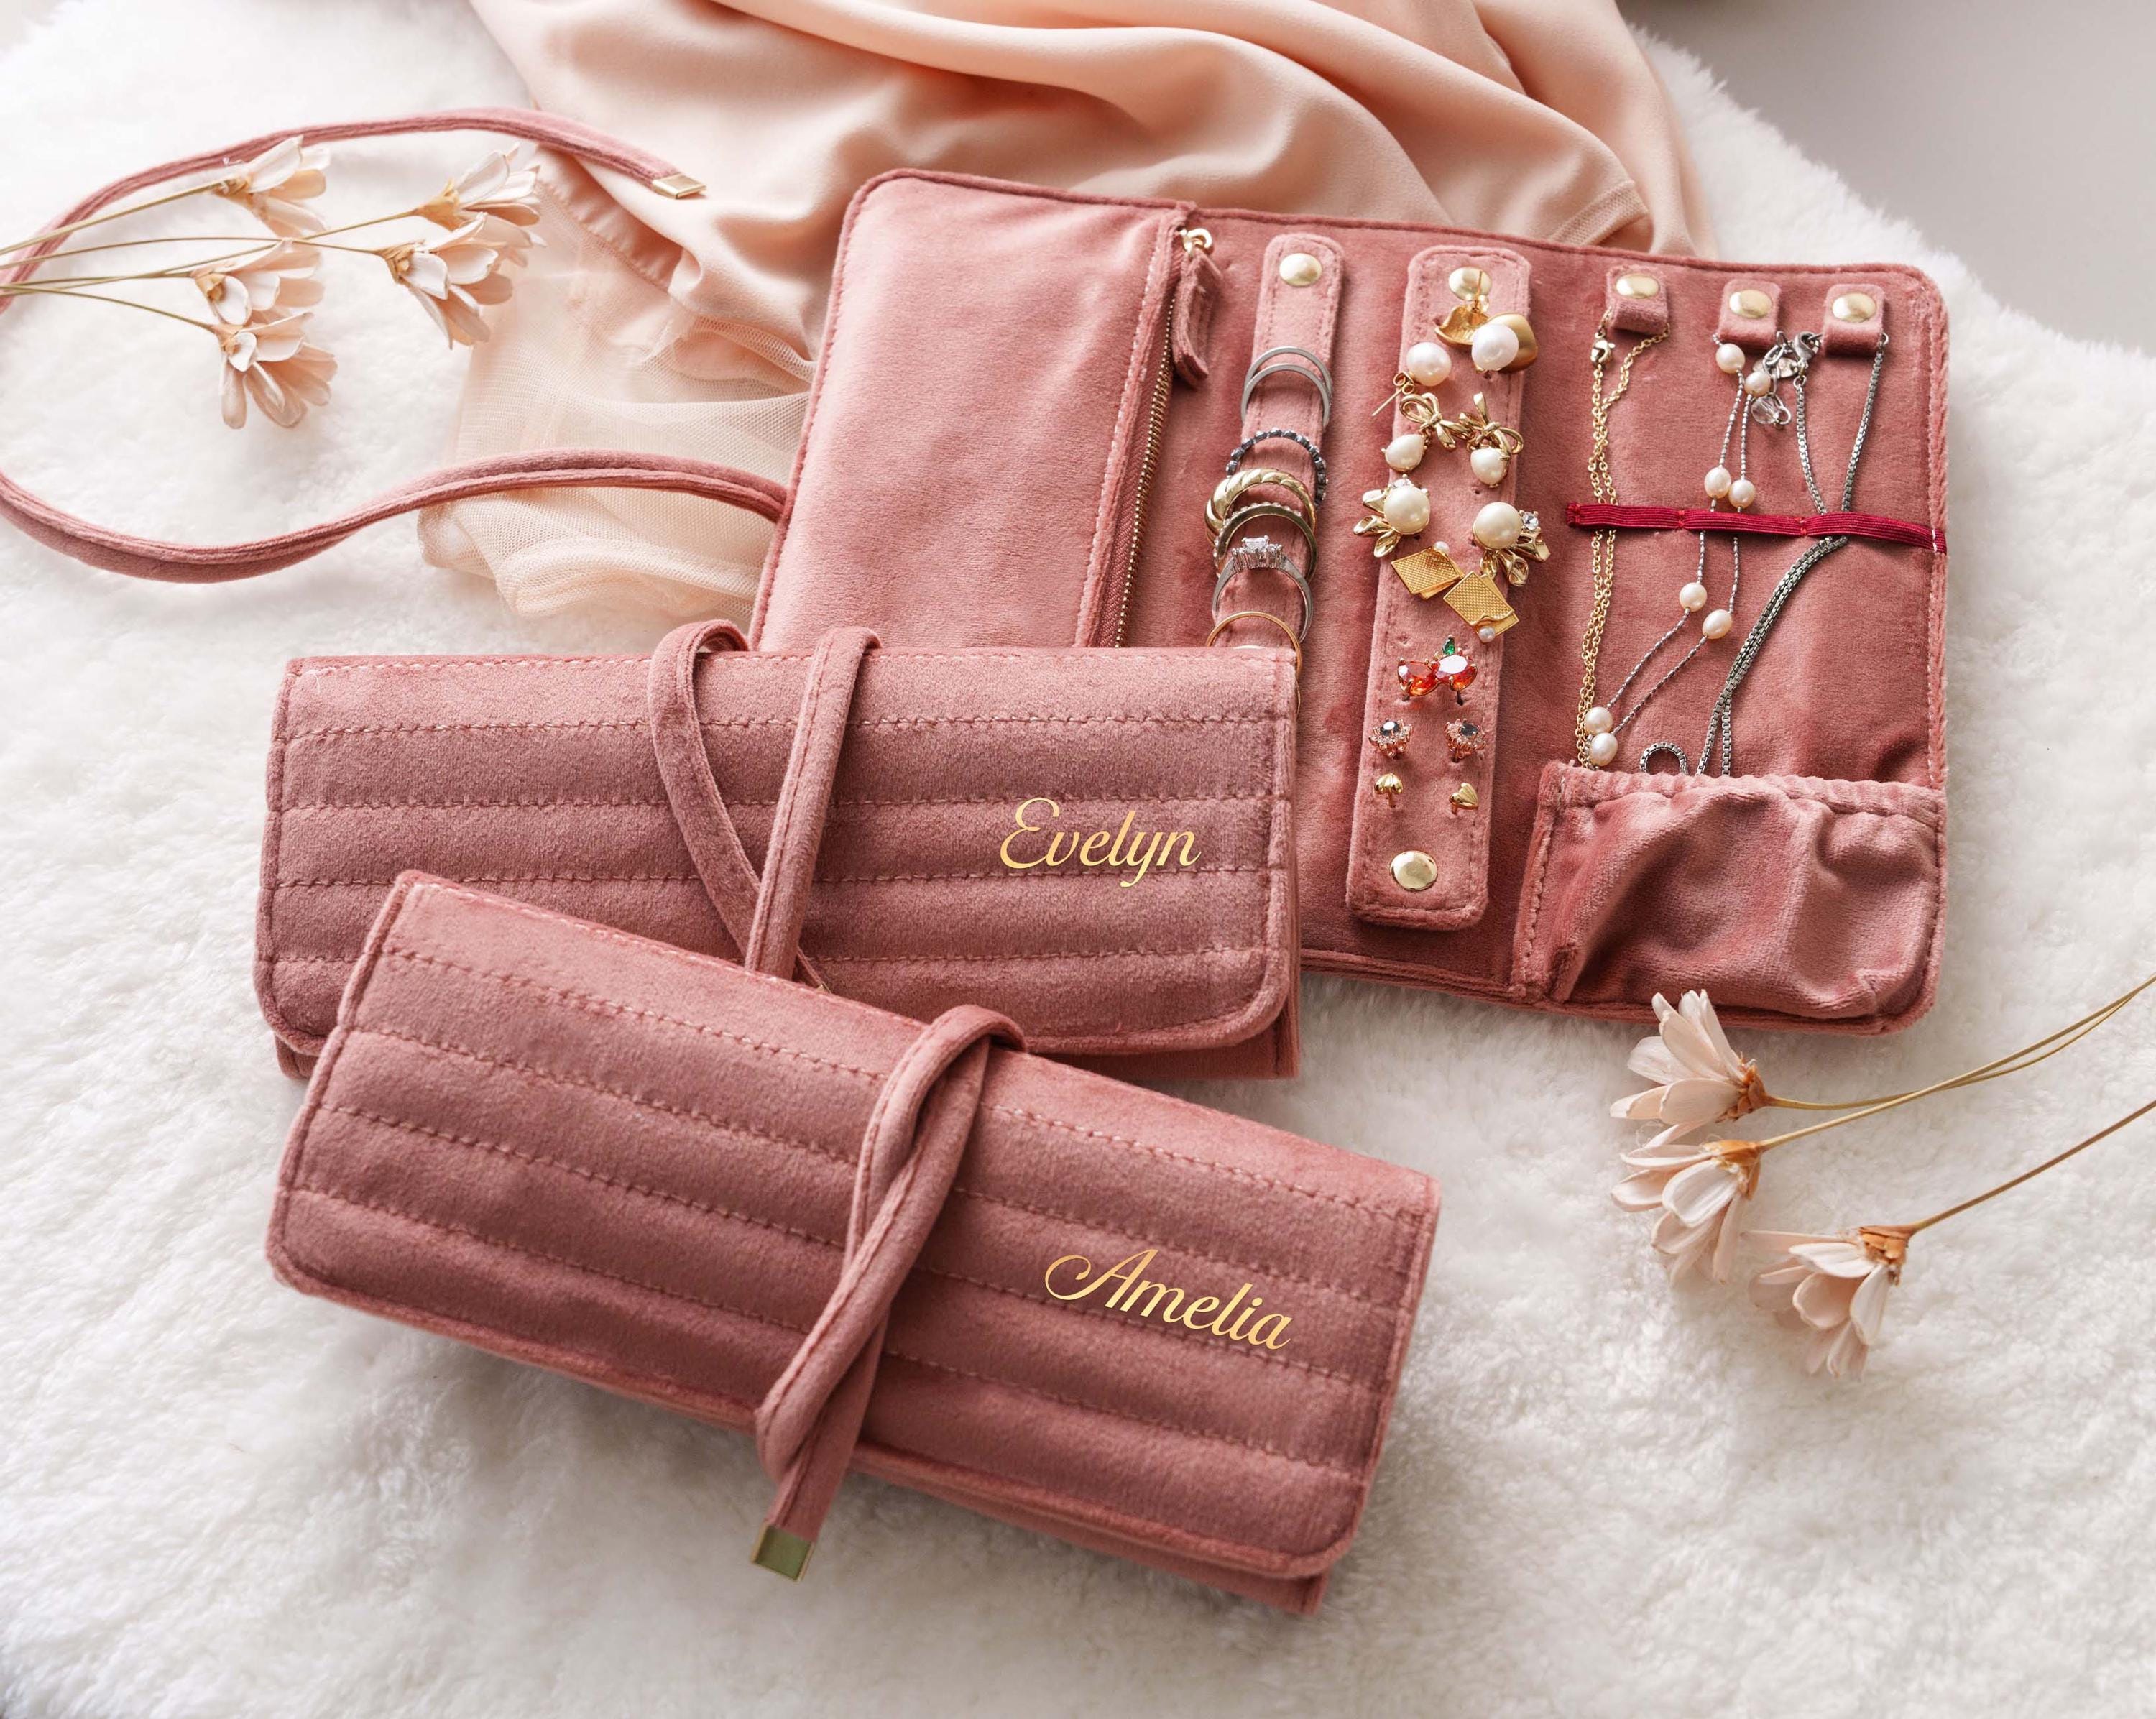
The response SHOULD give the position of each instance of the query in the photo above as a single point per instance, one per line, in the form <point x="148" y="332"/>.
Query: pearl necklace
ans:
<point x="1721" y="723"/>
<point x="1592" y="743"/>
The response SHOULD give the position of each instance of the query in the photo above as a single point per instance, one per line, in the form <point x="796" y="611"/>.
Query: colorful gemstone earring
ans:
<point x="1390" y="737"/>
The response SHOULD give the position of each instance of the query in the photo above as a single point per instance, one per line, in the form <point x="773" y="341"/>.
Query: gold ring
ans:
<point x="1230" y="488"/>
<point x="1287" y="631"/>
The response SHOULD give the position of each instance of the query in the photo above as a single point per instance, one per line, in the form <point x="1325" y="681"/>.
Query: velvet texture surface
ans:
<point x="1807" y="889"/>
<point x="645" y="792"/>
<point x="636" y="1165"/>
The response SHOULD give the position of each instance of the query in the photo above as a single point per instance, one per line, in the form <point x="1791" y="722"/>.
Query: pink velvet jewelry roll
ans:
<point x="1075" y="1305"/>
<point x="1098" y="844"/>
<point x="1799" y="875"/>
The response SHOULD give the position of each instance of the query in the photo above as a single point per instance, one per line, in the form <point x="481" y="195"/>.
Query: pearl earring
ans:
<point x="1494" y="343"/>
<point x="1399" y="509"/>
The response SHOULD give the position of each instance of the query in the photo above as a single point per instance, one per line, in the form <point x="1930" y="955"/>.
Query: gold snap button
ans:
<point x="1854" y="307"/>
<point x="1301" y="268"/>
<point x="1414" y="870"/>
<point x="1750" y="303"/>
<point x="1637" y="286"/>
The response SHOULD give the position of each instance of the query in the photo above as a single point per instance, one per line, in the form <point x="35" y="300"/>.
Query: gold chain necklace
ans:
<point x="1602" y="482"/>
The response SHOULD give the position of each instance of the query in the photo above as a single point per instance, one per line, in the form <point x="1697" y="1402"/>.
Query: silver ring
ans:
<point x="1676" y="751"/>
<point x="1301" y="590"/>
<point x="1318" y="380"/>
<point x="1316" y="363"/>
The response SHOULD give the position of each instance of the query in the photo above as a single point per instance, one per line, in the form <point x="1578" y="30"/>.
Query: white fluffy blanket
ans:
<point x="1600" y="1497"/>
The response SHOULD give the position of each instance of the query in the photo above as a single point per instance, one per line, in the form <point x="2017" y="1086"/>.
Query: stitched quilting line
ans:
<point x="450" y="664"/>
<point x="1151" y="954"/>
<point x="901" y="960"/>
<point x="1233" y="1171"/>
<point x="818" y="1149"/>
<point x="1350" y="1473"/>
<point x="1040" y="719"/>
<point x="521" y="877"/>
<point x="678" y="878"/>
<point x="471" y="1142"/>
<point x="746" y="661"/>
<point x="556" y="1077"/>
<point x="495" y="1243"/>
<point x="592" y="1003"/>
<point x="659" y="803"/>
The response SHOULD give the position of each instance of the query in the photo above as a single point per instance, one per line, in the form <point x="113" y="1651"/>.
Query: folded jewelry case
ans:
<point x="1077" y="1306"/>
<point x="1097" y="844"/>
<point x="1042" y="448"/>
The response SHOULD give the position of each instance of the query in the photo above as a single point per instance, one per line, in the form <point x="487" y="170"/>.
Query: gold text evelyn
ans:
<point x="1124" y="849"/>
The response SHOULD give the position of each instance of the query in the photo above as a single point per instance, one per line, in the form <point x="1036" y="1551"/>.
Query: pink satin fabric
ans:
<point x="690" y="328"/>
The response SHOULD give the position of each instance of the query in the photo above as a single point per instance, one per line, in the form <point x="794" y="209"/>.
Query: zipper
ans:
<point x="1195" y="241"/>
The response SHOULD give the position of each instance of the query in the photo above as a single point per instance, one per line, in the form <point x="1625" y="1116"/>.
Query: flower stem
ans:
<point x="269" y="243"/>
<point x="2027" y="1057"/>
<point x="2031" y="1174"/>
<point x="177" y="271"/>
<point x="133" y="208"/>
<point x="58" y="290"/>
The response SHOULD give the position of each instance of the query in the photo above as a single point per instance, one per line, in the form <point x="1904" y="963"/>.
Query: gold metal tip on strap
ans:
<point x="679" y="185"/>
<point x="781" y="1552"/>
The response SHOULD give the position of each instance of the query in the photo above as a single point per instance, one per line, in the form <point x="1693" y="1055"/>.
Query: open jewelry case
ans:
<point x="1027" y="400"/>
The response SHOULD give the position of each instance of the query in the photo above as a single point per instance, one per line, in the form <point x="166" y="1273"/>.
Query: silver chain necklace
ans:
<point x="1720" y="723"/>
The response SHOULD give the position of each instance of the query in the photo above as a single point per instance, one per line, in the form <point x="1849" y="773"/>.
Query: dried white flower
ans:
<point x="452" y="278"/>
<point x="274" y="186"/>
<point x="1702" y="1193"/>
<point x="282" y="279"/>
<point x="502" y="193"/>
<point x="1835" y="1287"/>
<point x="1699" y="1080"/>
<point x="271" y="364"/>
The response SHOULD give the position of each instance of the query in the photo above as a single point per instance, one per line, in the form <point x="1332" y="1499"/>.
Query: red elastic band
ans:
<point x="1590" y="515"/>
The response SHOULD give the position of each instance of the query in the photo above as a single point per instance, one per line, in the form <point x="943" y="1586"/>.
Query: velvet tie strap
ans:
<point x="810" y="1419"/>
<point x="544" y="468"/>
<point x="773" y="943"/>
<point x="763" y="916"/>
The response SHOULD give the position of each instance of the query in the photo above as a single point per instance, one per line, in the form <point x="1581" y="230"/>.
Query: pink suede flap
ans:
<point x="1146" y="905"/>
<point x="633" y="1164"/>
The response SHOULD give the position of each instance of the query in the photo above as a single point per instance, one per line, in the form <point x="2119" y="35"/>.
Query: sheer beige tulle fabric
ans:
<point x="691" y="326"/>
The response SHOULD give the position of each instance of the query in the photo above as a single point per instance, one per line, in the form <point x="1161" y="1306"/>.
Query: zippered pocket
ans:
<point x="981" y="418"/>
<point x="1174" y="335"/>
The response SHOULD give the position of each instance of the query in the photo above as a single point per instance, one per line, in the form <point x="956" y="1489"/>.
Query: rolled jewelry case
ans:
<point x="1074" y="1305"/>
<point x="1098" y="844"/>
